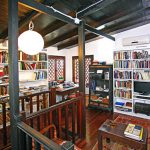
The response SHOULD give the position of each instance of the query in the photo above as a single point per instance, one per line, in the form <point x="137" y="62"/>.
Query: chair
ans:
<point x="66" y="145"/>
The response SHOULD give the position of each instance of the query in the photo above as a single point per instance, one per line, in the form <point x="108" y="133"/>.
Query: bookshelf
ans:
<point x="4" y="79"/>
<point x="130" y="66"/>
<point x="32" y="71"/>
<point x="100" y="87"/>
<point x="35" y="67"/>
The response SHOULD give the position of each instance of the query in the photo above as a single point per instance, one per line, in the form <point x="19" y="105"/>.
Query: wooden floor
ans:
<point x="94" y="119"/>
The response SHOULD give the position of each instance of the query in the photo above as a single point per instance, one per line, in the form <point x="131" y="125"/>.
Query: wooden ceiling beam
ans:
<point x="75" y="41"/>
<point x="93" y="8"/>
<point x="69" y="5"/>
<point x="63" y="37"/>
<point x="52" y="27"/>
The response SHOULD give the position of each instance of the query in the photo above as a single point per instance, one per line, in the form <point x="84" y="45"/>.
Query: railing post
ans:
<point x="80" y="119"/>
<point x="13" y="71"/>
<point x="22" y="140"/>
<point x="73" y="122"/>
<point x="4" y="124"/>
<point x="52" y="100"/>
<point x="66" y="122"/>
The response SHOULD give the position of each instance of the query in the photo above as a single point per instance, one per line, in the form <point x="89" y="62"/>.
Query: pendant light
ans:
<point x="31" y="42"/>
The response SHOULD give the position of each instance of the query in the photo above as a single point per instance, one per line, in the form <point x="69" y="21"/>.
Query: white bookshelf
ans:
<point x="33" y="75"/>
<point x="124" y="61"/>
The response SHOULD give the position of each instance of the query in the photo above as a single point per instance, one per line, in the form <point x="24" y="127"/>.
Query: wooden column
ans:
<point x="81" y="53"/>
<point x="13" y="70"/>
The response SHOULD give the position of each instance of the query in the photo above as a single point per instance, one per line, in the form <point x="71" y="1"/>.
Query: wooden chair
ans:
<point x="57" y="140"/>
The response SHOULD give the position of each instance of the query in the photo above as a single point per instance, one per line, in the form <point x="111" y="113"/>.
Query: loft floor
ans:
<point x="94" y="119"/>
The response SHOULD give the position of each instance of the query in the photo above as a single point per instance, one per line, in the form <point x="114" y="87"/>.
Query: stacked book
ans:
<point x="134" y="131"/>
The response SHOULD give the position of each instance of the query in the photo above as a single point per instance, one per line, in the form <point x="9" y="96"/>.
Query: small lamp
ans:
<point x="31" y="42"/>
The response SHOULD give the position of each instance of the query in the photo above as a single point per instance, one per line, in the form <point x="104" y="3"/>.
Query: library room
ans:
<point x="75" y="75"/>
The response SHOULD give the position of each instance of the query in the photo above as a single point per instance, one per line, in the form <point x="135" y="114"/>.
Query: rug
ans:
<point x="139" y="121"/>
<point x="110" y="145"/>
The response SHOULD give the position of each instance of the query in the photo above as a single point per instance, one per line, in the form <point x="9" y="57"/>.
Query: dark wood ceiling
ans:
<point x="116" y="15"/>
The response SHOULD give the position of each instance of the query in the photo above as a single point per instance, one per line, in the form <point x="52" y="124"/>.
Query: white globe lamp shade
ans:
<point x="30" y="42"/>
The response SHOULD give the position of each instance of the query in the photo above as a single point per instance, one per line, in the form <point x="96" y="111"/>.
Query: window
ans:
<point x="56" y="68"/>
<point x="75" y="66"/>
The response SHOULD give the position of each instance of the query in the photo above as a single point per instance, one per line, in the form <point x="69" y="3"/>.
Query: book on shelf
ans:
<point x="29" y="57"/>
<point x="3" y="57"/>
<point x="122" y="74"/>
<point x="134" y="131"/>
<point x="42" y="57"/>
<point x="3" y="70"/>
<point x="122" y="55"/>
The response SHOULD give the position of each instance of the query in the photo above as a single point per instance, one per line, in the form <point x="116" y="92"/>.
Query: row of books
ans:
<point x="140" y="54"/>
<point x="39" y="57"/>
<point x="122" y="55"/>
<point x="132" y="64"/>
<point x="3" y="57"/>
<point x="42" y="57"/>
<point x="123" y="93"/>
<point x="141" y="75"/>
<point x="141" y="64"/>
<point x="123" y="64"/>
<point x="123" y="106"/>
<point x="39" y="75"/>
<point x="122" y="74"/>
<point x="32" y="66"/>
<point x="28" y="57"/>
<point x="143" y="54"/>
<point x="123" y="84"/>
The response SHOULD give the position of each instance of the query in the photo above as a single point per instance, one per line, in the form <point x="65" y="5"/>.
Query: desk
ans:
<point x="66" y="91"/>
<point x="116" y="134"/>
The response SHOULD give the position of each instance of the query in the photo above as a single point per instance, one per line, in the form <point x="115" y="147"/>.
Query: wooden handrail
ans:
<point x="52" y="108"/>
<point x="38" y="137"/>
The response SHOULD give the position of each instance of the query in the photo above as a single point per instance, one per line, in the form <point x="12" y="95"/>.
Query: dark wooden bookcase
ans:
<point x="101" y="87"/>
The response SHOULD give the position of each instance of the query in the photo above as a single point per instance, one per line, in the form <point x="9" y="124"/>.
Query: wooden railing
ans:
<point x="66" y="116"/>
<point x="28" y="135"/>
<point x="39" y="100"/>
<point x="53" y="115"/>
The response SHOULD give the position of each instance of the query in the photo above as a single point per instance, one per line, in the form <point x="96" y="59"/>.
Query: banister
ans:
<point x="43" y="140"/>
<point x="34" y="94"/>
<point x="54" y="107"/>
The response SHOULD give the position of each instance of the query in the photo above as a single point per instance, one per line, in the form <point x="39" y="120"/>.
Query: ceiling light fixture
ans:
<point x="31" y="42"/>
<point x="101" y="27"/>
